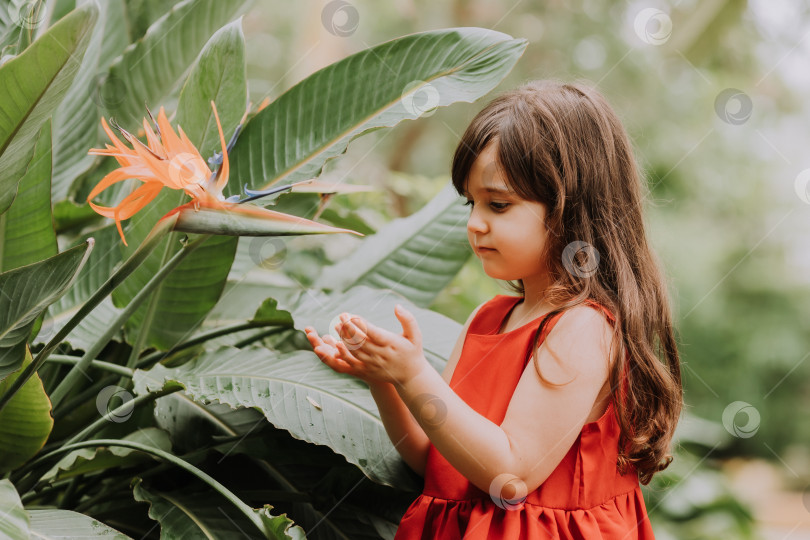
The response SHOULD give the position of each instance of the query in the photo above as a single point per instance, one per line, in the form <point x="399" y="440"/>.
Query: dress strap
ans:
<point x="536" y="338"/>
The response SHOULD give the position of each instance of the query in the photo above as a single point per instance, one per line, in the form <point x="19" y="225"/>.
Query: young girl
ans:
<point x="554" y="403"/>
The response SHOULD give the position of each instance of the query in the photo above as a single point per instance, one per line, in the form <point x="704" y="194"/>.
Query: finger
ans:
<point x="351" y="356"/>
<point x="329" y="340"/>
<point x="313" y="337"/>
<point x="355" y="361"/>
<point x="351" y="333"/>
<point x="410" y="328"/>
<point x="377" y="335"/>
<point x="337" y="364"/>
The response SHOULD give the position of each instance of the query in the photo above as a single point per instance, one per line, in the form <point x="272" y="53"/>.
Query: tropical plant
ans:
<point x="167" y="378"/>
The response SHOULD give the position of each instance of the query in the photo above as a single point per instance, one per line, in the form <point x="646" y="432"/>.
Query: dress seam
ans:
<point x="628" y="492"/>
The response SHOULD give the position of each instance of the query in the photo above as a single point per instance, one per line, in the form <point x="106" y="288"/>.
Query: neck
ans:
<point x="534" y="291"/>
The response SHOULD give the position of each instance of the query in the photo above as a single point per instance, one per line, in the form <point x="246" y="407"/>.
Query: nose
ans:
<point x="475" y="223"/>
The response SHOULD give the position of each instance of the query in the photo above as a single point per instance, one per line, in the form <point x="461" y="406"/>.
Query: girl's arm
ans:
<point x="404" y="431"/>
<point x="541" y="422"/>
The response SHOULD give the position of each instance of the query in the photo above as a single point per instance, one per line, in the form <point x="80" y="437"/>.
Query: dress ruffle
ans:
<point x="623" y="516"/>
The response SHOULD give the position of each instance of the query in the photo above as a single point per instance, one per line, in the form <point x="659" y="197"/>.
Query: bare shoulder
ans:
<point x="579" y="341"/>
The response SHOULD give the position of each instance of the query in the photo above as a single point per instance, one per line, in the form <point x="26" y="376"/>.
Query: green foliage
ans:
<point x="152" y="368"/>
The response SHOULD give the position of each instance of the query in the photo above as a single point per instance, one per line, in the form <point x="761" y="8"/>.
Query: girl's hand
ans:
<point x="371" y="353"/>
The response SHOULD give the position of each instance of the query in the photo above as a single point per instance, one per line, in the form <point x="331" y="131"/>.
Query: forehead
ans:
<point x="486" y="175"/>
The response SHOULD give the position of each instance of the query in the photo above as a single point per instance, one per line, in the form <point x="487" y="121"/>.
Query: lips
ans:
<point x="484" y="249"/>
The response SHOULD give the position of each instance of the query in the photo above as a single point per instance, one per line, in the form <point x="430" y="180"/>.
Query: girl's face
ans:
<point x="508" y="233"/>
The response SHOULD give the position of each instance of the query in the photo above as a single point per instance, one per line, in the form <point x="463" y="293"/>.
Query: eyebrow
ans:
<point x="503" y="191"/>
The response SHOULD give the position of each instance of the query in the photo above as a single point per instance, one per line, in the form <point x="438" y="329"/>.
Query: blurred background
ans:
<point x="713" y="95"/>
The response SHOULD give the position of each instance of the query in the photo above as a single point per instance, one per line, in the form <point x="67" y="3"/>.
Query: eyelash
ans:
<point x="500" y="207"/>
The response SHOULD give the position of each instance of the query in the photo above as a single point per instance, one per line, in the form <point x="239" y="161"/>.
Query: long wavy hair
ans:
<point x="561" y="144"/>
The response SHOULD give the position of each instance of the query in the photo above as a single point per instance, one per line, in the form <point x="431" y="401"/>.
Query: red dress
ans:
<point x="583" y="498"/>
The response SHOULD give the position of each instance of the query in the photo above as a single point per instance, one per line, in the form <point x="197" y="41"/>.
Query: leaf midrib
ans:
<point x="318" y="389"/>
<point x="13" y="134"/>
<point x="331" y="142"/>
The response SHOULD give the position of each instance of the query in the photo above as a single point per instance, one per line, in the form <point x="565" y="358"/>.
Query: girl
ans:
<point x="554" y="403"/>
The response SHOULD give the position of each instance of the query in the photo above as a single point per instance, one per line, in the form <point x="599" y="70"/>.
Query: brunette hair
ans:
<point x="562" y="145"/>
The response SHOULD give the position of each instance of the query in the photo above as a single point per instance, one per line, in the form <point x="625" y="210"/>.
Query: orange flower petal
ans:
<point x="118" y="175"/>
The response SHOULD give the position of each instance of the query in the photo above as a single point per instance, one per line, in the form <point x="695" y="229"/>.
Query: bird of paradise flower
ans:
<point x="169" y="159"/>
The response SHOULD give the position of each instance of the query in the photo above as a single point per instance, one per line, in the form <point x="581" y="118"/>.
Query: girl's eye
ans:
<point x="495" y="206"/>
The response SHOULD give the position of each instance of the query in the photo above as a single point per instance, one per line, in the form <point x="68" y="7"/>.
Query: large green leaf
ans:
<point x="189" y="293"/>
<point x="296" y="392"/>
<point x="88" y="460"/>
<point x="54" y="524"/>
<point x="26" y="292"/>
<point x="25" y="422"/>
<point x="15" y="521"/>
<point x="101" y="264"/>
<point x="77" y="121"/>
<point x="202" y="516"/>
<point x="316" y="119"/>
<point x="32" y="85"/>
<point x="26" y="229"/>
<point x="415" y="256"/>
<point x="154" y="65"/>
